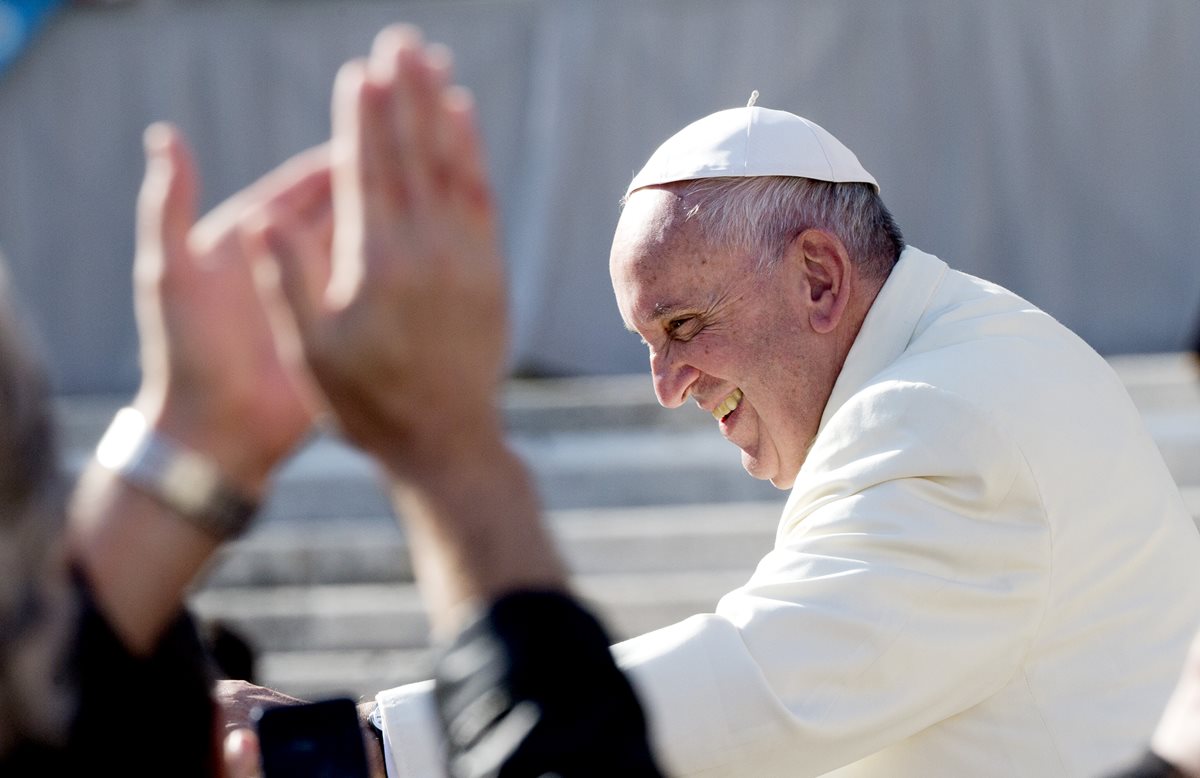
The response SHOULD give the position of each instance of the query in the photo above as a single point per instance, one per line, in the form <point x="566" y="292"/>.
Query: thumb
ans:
<point x="240" y="758"/>
<point x="301" y="262"/>
<point x="166" y="205"/>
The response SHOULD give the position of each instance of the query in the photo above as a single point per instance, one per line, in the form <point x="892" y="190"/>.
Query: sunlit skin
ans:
<point x="715" y="325"/>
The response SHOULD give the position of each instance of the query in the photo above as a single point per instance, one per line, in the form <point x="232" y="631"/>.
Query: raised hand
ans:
<point x="404" y="327"/>
<point x="215" y="378"/>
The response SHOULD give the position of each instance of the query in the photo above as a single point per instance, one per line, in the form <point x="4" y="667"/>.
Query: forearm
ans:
<point x="221" y="405"/>
<point x="137" y="557"/>
<point x="475" y="528"/>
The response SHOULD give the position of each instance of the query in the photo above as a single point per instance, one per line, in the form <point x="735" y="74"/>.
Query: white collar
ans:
<point x="889" y="326"/>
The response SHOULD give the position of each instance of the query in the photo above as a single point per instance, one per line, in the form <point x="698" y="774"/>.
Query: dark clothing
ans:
<point x="530" y="689"/>
<point x="1150" y="766"/>
<point x="138" y="716"/>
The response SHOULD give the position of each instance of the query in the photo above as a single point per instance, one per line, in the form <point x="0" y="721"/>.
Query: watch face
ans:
<point x="122" y="440"/>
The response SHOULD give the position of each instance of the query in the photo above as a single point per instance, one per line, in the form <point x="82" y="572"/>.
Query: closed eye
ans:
<point x="685" y="327"/>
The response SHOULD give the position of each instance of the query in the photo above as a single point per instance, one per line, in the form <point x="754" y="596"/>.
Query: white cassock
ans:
<point x="984" y="569"/>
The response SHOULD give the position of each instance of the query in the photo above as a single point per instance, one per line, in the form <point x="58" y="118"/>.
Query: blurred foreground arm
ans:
<point x="214" y="384"/>
<point x="218" y="392"/>
<point x="404" y="330"/>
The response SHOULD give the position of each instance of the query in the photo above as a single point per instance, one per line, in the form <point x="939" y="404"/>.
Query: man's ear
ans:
<point x="826" y="272"/>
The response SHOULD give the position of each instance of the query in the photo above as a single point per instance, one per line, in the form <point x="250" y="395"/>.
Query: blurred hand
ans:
<point x="404" y="325"/>
<point x="236" y="701"/>
<point x="240" y="755"/>
<point x="214" y="376"/>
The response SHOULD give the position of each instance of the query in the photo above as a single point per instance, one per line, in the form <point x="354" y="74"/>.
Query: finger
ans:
<point x="352" y="147"/>
<point x="296" y="185"/>
<point x="355" y="172"/>
<point x="467" y="164"/>
<point x="397" y="66"/>
<point x="308" y="231"/>
<point x="300" y="191"/>
<point x="440" y="62"/>
<point x="401" y="67"/>
<point x="301" y="184"/>
<point x="241" y="754"/>
<point x="384" y="62"/>
<point x="301" y="265"/>
<point x="166" y="204"/>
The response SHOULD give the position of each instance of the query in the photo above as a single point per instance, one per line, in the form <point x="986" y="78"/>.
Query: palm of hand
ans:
<point x="404" y="325"/>
<point x="219" y="371"/>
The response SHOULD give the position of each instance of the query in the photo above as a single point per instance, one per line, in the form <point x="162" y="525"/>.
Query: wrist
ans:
<point x="475" y="532"/>
<point x="451" y="451"/>
<point x="186" y="482"/>
<point x="137" y="554"/>
<point x="226" y="439"/>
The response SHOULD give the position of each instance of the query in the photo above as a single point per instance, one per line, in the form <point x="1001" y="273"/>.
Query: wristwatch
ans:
<point x="185" y="481"/>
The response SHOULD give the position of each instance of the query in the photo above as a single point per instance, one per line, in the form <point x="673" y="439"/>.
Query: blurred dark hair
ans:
<point x="28" y="465"/>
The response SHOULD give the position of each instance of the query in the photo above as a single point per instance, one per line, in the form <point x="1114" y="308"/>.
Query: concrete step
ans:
<point x="597" y="442"/>
<point x="391" y="616"/>
<point x="314" y="642"/>
<point x="530" y="407"/>
<point x="374" y="550"/>
<point x="1160" y="381"/>
<point x="538" y="407"/>
<point x="572" y="469"/>
<point x="323" y="585"/>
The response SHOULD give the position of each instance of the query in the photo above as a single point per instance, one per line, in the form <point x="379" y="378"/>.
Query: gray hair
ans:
<point x="762" y="214"/>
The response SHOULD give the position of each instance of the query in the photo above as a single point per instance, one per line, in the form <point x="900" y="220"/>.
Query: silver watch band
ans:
<point x="185" y="481"/>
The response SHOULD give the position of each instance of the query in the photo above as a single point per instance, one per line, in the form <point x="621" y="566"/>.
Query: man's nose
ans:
<point x="673" y="379"/>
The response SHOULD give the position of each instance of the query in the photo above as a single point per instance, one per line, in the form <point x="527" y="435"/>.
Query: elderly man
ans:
<point x="983" y="568"/>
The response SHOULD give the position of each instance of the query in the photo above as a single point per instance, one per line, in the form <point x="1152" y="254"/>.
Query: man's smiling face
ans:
<point x="735" y="339"/>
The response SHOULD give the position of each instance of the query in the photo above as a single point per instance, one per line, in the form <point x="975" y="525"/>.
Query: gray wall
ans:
<point x="1053" y="147"/>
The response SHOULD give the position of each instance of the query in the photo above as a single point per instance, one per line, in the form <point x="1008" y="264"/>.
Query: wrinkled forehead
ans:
<point x="646" y="251"/>
<point x="661" y="262"/>
<point x="659" y="226"/>
<point x="648" y="223"/>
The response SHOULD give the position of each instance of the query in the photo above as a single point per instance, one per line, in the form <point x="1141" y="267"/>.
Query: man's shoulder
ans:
<point x="983" y="343"/>
<point x="974" y="339"/>
<point x="898" y="426"/>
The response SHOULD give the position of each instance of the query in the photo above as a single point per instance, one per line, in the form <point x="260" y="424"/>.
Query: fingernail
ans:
<point x="156" y="138"/>
<point x="241" y="754"/>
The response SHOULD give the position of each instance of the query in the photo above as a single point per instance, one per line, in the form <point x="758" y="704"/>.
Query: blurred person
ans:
<point x="38" y="609"/>
<point x="93" y="615"/>
<point x="91" y="594"/>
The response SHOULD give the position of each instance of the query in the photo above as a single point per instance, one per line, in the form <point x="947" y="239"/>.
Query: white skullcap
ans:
<point x="751" y="141"/>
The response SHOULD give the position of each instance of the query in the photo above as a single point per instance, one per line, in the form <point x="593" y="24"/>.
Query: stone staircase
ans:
<point x="650" y="508"/>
